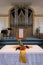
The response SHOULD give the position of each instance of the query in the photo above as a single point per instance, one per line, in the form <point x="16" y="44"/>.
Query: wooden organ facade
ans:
<point x="21" y="18"/>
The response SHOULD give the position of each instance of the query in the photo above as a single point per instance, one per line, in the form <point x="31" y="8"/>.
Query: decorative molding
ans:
<point x="3" y="15"/>
<point x="38" y="15"/>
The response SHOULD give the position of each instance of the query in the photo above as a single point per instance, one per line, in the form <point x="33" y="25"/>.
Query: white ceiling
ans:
<point x="36" y="5"/>
<point x="27" y="2"/>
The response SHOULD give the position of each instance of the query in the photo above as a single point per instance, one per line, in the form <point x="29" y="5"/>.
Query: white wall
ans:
<point x="38" y="19"/>
<point x="4" y="20"/>
<point x="38" y="23"/>
<point x="5" y="10"/>
<point x="37" y="10"/>
<point x="4" y="23"/>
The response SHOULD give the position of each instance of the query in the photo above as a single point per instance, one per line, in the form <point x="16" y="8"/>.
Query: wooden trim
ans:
<point x="2" y="15"/>
<point x="11" y="9"/>
<point x="32" y="18"/>
<point x="38" y="15"/>
<point x="9" y="21"/>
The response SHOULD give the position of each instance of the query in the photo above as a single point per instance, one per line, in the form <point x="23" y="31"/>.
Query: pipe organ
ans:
<point x="21" y="18"/>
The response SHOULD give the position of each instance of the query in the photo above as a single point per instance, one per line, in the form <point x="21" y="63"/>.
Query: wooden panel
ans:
<point x="29" y="31"/>
<point x="41" y="35"/>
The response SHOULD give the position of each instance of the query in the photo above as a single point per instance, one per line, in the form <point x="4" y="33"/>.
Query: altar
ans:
<point x="10" y="56"/>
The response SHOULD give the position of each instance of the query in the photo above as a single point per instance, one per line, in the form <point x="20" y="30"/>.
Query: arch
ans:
<point x="30" y="10"/>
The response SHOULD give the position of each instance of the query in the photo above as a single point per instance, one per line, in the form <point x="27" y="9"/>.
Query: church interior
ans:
<point x="21" y="15"/>
<point x="21" y="23"/>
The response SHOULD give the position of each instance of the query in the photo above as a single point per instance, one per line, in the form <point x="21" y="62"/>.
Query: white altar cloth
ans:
<point x="10" y="56"/>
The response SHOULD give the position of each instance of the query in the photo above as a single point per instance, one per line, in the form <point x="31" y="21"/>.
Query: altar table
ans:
<point x="10" y="56"/>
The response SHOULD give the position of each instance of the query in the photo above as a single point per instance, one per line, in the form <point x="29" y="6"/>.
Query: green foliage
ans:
<point x="37" y="30"/>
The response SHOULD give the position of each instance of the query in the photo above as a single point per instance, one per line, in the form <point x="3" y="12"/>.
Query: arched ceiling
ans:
<point x="26" y="2"/>
<point x="36" y="5"/>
